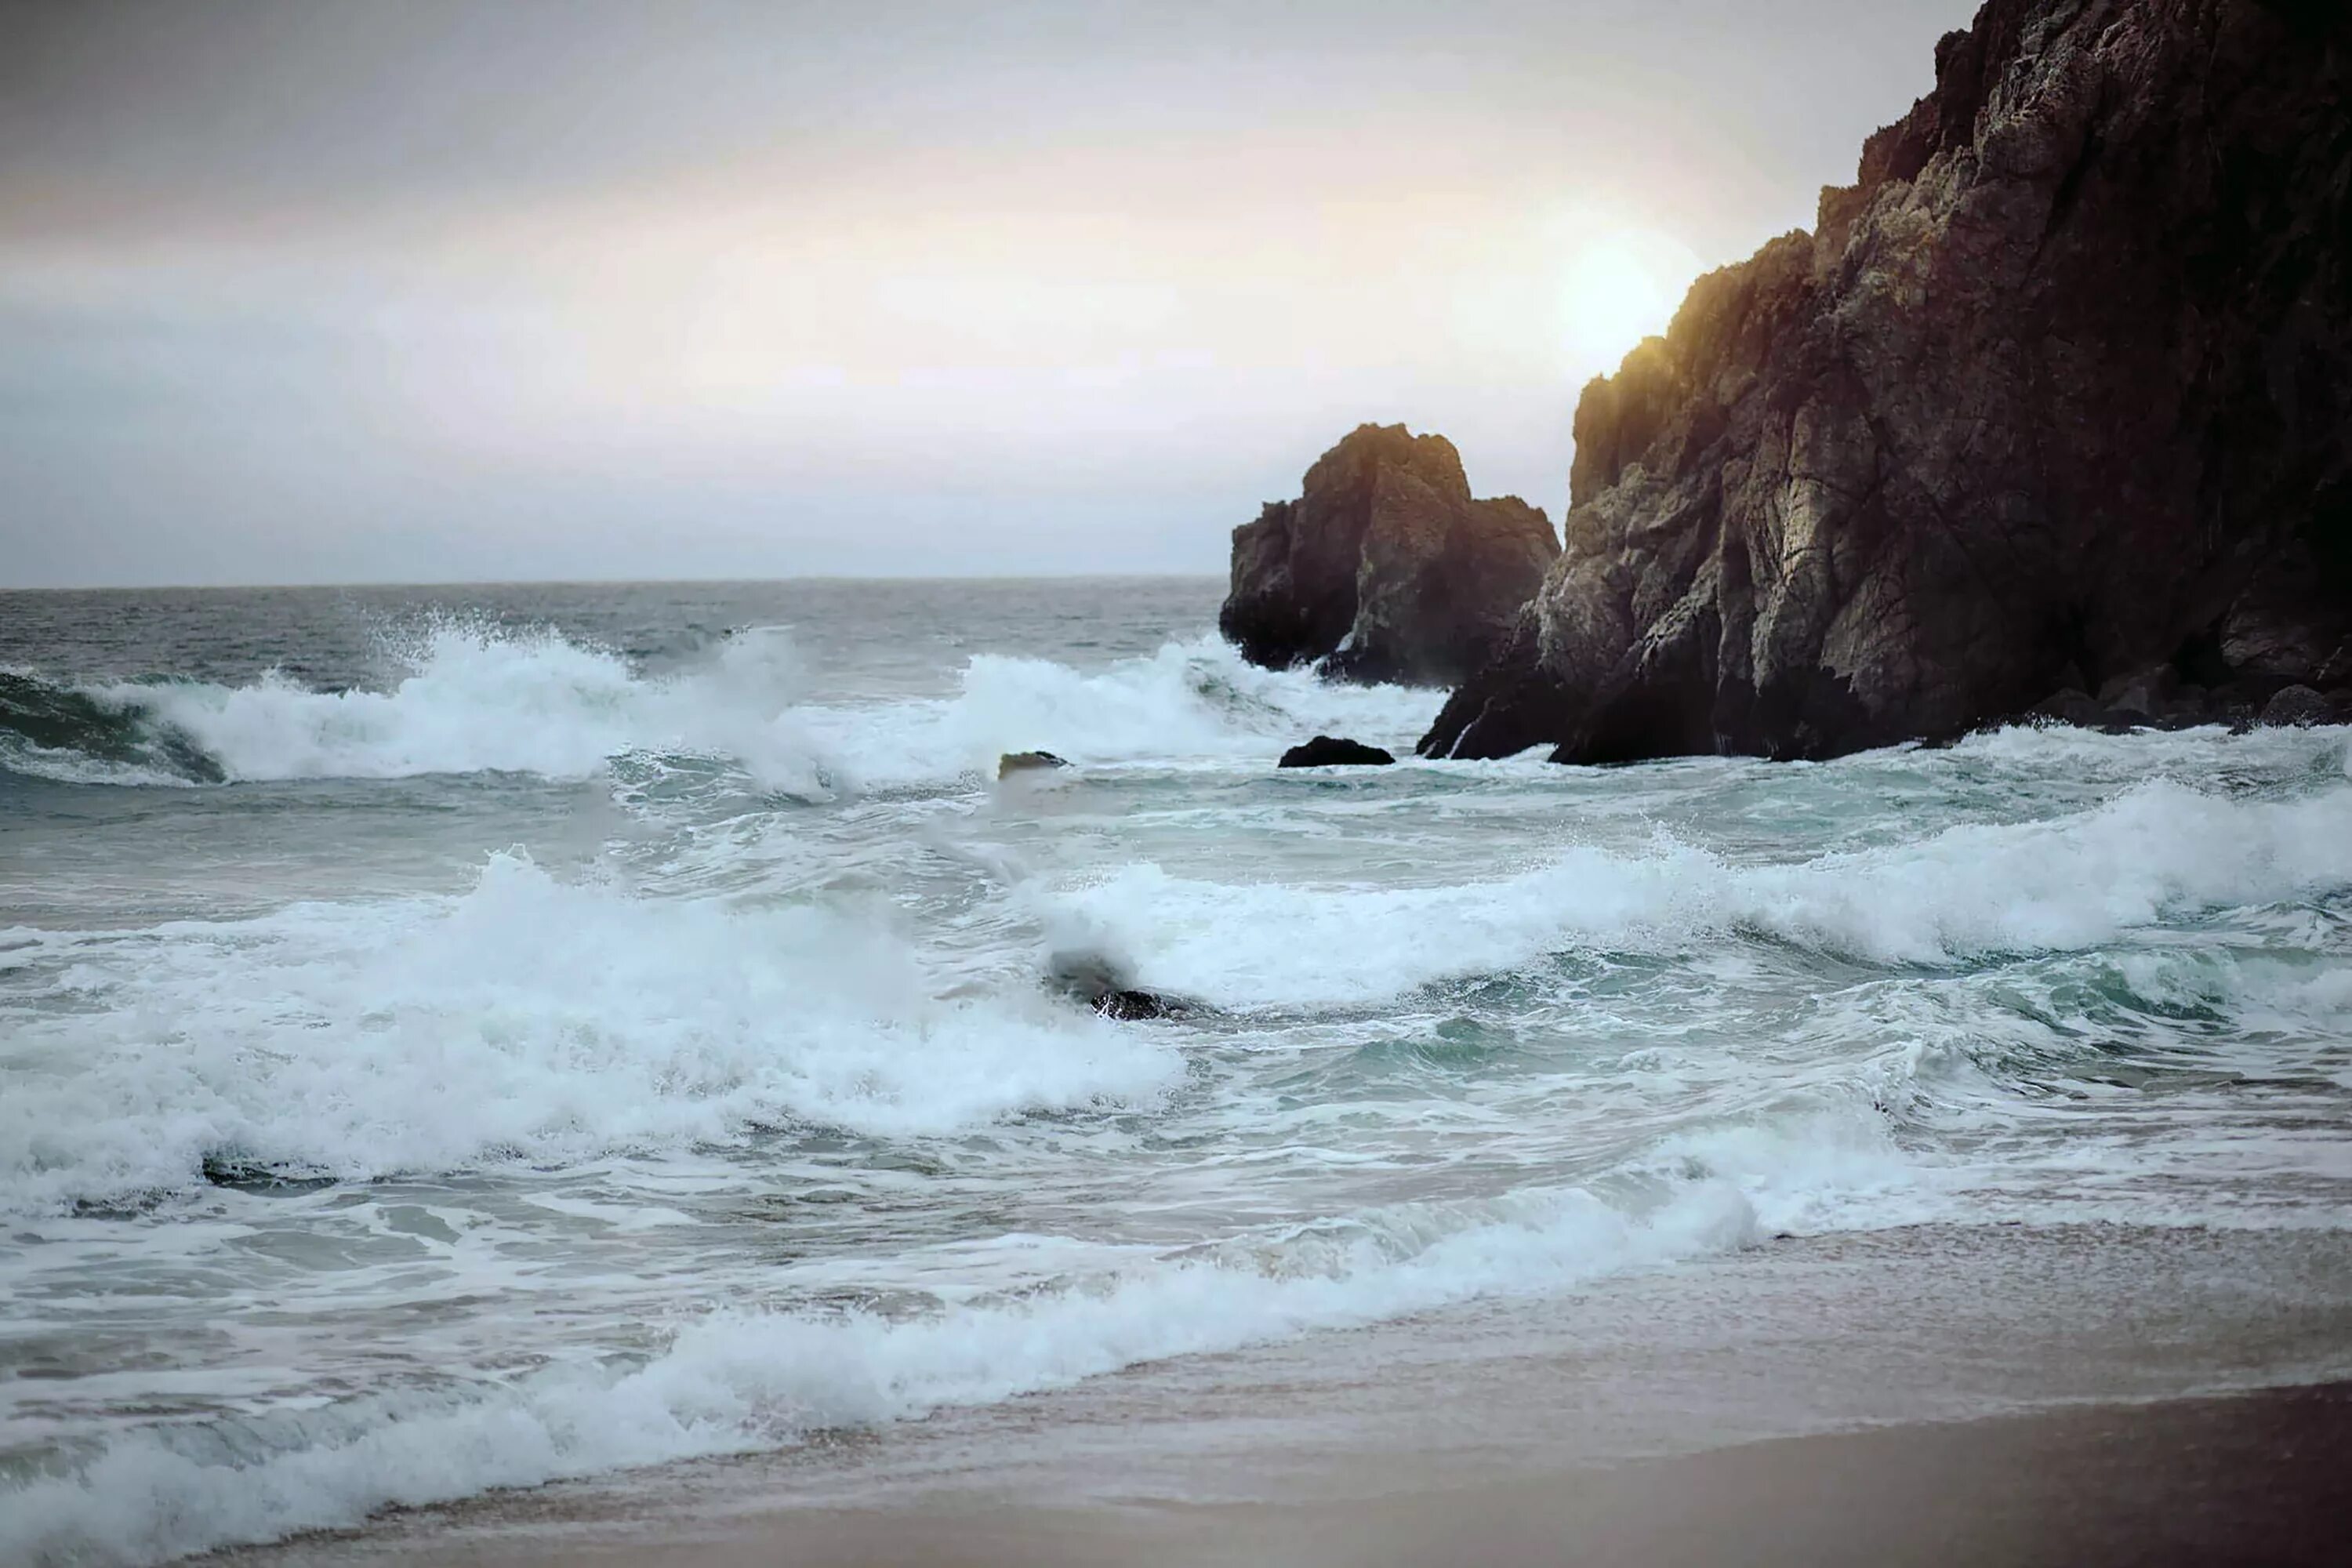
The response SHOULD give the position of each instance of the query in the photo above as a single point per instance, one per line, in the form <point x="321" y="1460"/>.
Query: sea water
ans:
<point x="460" y="1039"/>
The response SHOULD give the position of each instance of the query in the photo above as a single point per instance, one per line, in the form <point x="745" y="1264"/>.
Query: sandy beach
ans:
<point x="2255" y="1479"/>
<point x="1927" y="1396"/>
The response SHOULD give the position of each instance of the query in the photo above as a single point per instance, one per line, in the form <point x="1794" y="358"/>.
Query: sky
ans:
<point x="328" y="292"/>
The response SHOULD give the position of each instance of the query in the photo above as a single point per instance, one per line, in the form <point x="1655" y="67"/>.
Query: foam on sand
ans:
<point x="733" y="1381"/>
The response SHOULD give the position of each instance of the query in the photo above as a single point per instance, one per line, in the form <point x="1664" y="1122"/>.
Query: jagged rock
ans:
<point x="1330" y="751"/>
<point x="2297" y="707"/>
<point x="2073" y="707"/>
<point x="1103" y="983"/>
<point x="1384" y="568"/>
<point x="248" y="1174"/>
<point x="1013" y="763"/>
<point x="1134" y="1004"/>
<point x="2063" y="379"/>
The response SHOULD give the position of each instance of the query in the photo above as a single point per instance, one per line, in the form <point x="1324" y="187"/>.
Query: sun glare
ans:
<point x="1622" y="287"/>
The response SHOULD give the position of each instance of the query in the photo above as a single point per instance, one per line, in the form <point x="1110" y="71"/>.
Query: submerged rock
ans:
<point x="1332" y="751"/>
<point x="2059" y="391"/>
<point x="248" y="1174"/>
<point x="1103" y="983"/>
<point x="1384" y="568"/>
<point x="1013" y="763"/>
<point x="1134" y="1003"/>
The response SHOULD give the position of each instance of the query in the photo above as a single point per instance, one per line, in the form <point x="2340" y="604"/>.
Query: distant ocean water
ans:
<point x="453" y="1038"/>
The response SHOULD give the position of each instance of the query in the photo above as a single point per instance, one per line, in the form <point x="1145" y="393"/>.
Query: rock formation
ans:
<point x="1103" y="983"/>
<point x="1334" y="751"/>
<point x="2056" y="398"/>
<point x="1384" y="568"/>
<point x="1013" y="763"/>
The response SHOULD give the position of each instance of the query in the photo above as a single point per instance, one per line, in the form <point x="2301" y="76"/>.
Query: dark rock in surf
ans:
<point x="1332" y="751"/>
<point x="1135" y="1003"/>
<point x="2073" y="707"/>
<point x="2148" y="692"/>
<point x="2298" y="707"/>
<point x="2060" y="391"/>
<point x="1013" y="763"/>
<point x="1103" y="983"/>
<point x="1384" y="568"/>
<point x="246" y="1175"/>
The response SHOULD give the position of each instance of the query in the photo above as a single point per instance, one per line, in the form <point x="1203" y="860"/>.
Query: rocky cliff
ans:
<point x="2057" y="397"/>
<point x="1384" y="568"/>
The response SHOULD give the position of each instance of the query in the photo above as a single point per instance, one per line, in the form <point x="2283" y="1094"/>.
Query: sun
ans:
<point x="1620" y="287"/>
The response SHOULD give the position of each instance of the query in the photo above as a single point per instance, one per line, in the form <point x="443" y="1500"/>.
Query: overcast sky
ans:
<point x="411" y="290"/>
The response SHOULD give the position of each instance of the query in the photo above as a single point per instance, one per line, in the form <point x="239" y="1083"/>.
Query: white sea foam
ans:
<point x="1191" y="703"/>
<point x="64" y="764"/>
<point x="538" y="1020"/>
<point x="529" y="1018"/>
<point x="732" y="1382"/>
<point x="479" y="700"/>
<point x="2158" y="850"/>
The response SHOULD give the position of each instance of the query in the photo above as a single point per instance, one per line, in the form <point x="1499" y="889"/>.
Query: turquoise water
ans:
<point x="457" y="1039"/>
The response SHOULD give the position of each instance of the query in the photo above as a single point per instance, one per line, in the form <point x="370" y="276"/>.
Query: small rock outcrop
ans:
<point x="1104" y="986"/>
<point x="1384" y="569"/>
<point x="2055" y="400"/>
<point x="2298" y="706"/>
<point x="1331" y="752"/>
<point x="1013" y="763"/>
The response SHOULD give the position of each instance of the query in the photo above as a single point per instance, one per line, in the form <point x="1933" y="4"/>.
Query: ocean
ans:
<point x="461" y="1039"/>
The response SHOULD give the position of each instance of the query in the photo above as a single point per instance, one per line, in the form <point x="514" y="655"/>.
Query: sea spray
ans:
<point x="528" y="1019"/>
<point x="467" y="696"/>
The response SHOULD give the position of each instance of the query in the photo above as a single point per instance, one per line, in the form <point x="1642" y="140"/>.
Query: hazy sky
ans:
<point x="414" y="290"/>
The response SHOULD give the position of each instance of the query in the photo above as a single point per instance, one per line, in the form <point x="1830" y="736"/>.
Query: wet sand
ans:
<point x="1934" y="1396"/>
<point x="2253" y="1479"/>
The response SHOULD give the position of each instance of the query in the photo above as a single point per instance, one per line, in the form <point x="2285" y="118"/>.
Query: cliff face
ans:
<point x="2061" y="389"/>
<point x="1385" y="568"/>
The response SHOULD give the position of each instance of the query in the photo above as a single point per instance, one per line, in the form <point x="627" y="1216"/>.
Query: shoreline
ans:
<point x="2252" y="1478"/>
<point x="1930" y="1395"/>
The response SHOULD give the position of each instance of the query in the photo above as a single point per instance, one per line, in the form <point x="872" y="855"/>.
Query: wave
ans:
<point x="526" y="1019"/>
<point x="80" y="736"/>
<point x="478" y="699"/>
<point x="1189" y="704"/>
<point x="481" y="700"/>
<point x="2159" y="851"/>
<point x="735" y="1382"/>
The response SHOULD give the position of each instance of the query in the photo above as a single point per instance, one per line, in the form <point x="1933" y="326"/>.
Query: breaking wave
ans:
<point x="805" y="1063"/>
<point x="2161" y="850"/>
<point x="479" y="700"/>
<point x="528" y="1019"/>
<point x="735" y="1382"/>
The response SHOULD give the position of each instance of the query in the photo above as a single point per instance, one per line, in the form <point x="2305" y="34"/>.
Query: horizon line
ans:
<point x="838" y="577"/>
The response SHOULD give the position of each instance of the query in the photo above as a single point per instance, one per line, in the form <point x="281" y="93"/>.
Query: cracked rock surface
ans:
<point x="2058" y="392"/>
